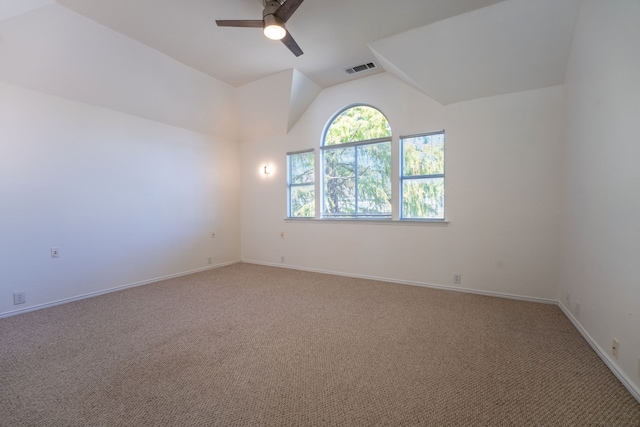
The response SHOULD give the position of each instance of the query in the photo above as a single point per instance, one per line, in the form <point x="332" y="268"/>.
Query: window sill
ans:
<point x="373" y="221"/>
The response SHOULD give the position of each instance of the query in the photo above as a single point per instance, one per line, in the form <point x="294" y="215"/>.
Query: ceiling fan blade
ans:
<point x="285" y="11"/>
<point x="291" y="44"/>
<point x="250" y="23"/>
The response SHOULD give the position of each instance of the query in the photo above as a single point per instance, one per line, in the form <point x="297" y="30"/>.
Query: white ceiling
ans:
<point x="11" y="8"/>
<point x="509" y="47"/>
<point x="334" y="34"/>
<point x="452" y="50"/>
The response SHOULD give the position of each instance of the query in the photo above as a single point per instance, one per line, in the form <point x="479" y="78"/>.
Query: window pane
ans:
<point x="303" y="201"/>
<point x="359" y="123"/>
<point x="301" y="196"/>
<point x="374" y="179"/>
<point x="339" y="182"/>
<point x="301" y="168"/>
<point x="423" y="155"/>
<point x="423" y="198"/>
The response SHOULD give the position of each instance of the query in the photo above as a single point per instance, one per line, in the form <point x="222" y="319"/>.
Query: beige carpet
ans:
<point x="250" y="345"/>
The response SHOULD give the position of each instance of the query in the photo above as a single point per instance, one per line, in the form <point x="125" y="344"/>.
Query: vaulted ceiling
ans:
<point x="450" y="49"/>
<point x="166" y="60"/>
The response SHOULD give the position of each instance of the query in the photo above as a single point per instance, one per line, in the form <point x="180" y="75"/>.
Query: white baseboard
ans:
<point x="408" y="282"/>
<point x="114" y="289"/>
<point x="606" y="358"/>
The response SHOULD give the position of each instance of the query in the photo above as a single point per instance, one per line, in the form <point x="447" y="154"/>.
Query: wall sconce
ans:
<point x="266" y="170"/>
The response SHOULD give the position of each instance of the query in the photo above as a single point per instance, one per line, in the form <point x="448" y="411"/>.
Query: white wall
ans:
<point x="601" y="226"/>
<point x="125" y="199"/>
<point x="116" y="154"/>
<point x="262" y="114"/>
<point x="503" y="166"/>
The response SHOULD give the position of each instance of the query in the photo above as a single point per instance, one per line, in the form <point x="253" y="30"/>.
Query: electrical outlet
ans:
<point x="567" y="300"/>
<point x="577" y="308"/>
<point x="638" y="368"/>
<point x="281" y="258"/>
<point x="457" y="279"/>
<point x="19" y="298"/>
<point x="209" y="261"/>
<point x="282" y="234"/>
<point x="615" y="348"/>
<point x="55" y="253"/>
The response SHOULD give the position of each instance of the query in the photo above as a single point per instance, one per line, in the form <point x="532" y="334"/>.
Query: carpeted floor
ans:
<point x="250" y="345"/>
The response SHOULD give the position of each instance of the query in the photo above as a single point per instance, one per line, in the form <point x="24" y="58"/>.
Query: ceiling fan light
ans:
<point x="274" y="28"/>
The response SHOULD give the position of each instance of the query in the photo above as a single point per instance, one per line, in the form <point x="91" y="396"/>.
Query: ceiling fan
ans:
<point x="274" y="16"/>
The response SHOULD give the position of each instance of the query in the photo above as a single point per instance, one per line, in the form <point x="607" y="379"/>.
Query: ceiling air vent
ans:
<point x="358" y="68"/>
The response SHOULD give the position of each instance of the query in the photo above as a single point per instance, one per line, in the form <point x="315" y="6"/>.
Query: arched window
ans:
<point x="356" y="160"/>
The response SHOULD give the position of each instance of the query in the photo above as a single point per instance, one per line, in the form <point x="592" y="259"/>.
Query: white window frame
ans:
<point x="291" y="185"/>
<point x="404" y="177"/>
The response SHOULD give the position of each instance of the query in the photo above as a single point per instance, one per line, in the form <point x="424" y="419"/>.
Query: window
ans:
<point x="301" y="184"/>
<point x="356" y="160"/>
<point x="422" y="176"/>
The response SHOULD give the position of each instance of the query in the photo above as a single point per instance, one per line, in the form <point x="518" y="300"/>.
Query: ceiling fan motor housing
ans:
<point x="270" y="7"/>
<point x="273" y="25"/>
